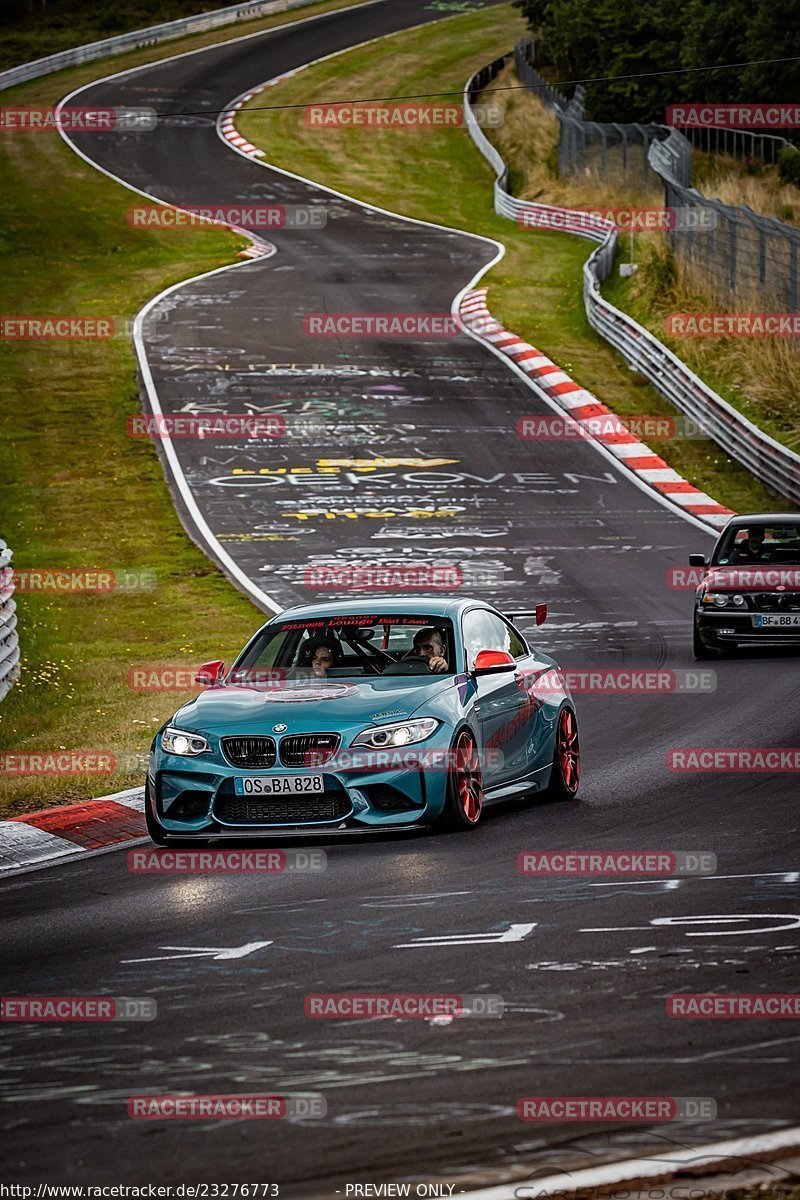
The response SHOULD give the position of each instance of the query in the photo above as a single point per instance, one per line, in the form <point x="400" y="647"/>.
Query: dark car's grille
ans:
<point x="249" y="751"/>
<point x="308" y="749"/>
<point x="775" y="601"/>
<point x="282" y="810"/>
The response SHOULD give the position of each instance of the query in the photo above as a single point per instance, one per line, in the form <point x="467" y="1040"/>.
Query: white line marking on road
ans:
<point x="784" y="876"/>
<point x="409" y="901"/>
<point x="713" y="919"/>
<point x="792" y="918"/>
<point x="514" y="933"/>
<point x="218" y="953"/>
<point x="740" y="1049"/>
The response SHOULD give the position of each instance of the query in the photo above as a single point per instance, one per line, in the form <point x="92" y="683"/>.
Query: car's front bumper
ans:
<point x="198" y="799"/>
<point x="718" y="627"/>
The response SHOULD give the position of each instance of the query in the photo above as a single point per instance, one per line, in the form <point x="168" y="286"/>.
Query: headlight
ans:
<point x="718" y="599"/>
<point x="739" y="601"/>
<point x="180" y="741"/>
<point x="401" y="734"/>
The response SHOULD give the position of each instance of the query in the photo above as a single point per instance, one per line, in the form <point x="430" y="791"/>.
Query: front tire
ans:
<point x="565" y="774"/>
<point x="463" y="804"/>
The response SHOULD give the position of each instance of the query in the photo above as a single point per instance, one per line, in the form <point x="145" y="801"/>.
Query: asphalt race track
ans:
<point x="584" y="966"/>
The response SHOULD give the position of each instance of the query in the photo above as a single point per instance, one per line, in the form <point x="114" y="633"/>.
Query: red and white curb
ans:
<point x="227" y="120"/>
<point x="581" y="405"/>
<point x="584" y="408"/>
<point x="40" y="837"/>
<point x="226" y="128"/>
<point x="688" y="1163"/>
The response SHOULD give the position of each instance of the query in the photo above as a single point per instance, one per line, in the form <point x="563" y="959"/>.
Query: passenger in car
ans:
<point x="322" y="654"/>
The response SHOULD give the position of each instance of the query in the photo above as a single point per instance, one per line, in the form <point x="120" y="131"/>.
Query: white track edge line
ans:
<point x="261" y="598"/>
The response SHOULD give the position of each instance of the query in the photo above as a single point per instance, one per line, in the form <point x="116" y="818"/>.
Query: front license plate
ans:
<point x="777" y="620"/>
<point x="279" y="785"/>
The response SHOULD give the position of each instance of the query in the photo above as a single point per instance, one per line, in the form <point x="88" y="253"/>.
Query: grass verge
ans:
<point x="75" y="490"/>
<point x="536" y="290"/>
<point x="62" y="24"/>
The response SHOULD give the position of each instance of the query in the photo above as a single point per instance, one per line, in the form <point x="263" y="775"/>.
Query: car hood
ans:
<point x="750" y="578"/>
<point x="309" y="707"/>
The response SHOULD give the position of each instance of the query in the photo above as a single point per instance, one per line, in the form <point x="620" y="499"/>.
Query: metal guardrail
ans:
<point x="738" y="143"/>
<point x="774" y="464"/>
<point x="9" y="639"/>
<point x="139" y="38"/>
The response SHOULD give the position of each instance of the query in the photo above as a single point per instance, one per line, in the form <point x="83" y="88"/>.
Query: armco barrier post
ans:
<point x="9" y="639"/>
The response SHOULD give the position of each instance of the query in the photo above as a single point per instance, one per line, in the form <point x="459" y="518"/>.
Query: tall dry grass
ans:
<point x="761" y="376"/>
<point x="733" y="182"/>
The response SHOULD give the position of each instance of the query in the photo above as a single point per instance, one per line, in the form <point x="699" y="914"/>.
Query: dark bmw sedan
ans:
<point x="749" y="594"/>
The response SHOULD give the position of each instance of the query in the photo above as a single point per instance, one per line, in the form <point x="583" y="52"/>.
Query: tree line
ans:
<point x="657" y="42"/>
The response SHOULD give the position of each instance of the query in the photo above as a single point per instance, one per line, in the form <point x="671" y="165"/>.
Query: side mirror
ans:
<point x="491" y="662"/>
<point x="210" y="673"/>
<point x="697" y="560"/>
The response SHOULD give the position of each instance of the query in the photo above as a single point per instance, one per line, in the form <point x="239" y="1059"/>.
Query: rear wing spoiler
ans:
<point x="540" y="613"/>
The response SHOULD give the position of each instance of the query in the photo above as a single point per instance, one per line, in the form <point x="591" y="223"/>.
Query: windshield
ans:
<point x="334" y="647"/>
<point x="778" y="544"/>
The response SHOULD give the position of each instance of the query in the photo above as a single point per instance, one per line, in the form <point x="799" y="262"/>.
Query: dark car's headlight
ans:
<point x="724" y="600"/>
<point x="401" y="733"/>
<point x="183" y="742"/>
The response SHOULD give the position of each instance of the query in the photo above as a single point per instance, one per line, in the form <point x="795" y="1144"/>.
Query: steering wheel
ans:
<point x="413" y="660"/>
<point x="361" y="647"/>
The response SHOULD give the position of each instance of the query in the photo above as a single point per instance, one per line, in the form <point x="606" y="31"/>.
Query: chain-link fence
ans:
<point x="742" y="257"/>
<point x="607" y="149"/>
